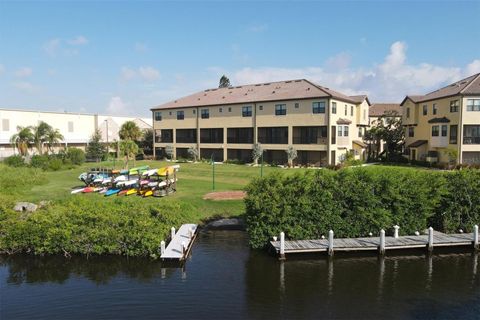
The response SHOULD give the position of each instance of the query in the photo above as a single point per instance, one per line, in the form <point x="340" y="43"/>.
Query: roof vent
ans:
<point x="266" y="84"/>
<point x="273" y="91"/>
<point x="204" y="94"/>
<point x="246" y="93"/>
<point x="207" y="90"/>
<point x="288" y="81"/>
<point x="223" y="97"/>
<point x="298" y="80"/>
<point x="238" y="87"/>
<point x="198" y="99"/>
<point x="258" y="85"/>
<point x="230" y="92"/>
<point x="308" y="89"/>
<point x="175" y="101"/>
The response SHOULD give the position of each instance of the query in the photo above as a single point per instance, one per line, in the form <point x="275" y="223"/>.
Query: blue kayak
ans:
<point x="111" y="192"/>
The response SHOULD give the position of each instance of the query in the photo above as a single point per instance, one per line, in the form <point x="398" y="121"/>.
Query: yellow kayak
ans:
<point x="166" y="171"/>
<point x="148" y="193"/>
<point x="131" y="191"/>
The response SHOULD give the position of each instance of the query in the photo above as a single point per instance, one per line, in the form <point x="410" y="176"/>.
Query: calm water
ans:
<point x="225" y="280"/>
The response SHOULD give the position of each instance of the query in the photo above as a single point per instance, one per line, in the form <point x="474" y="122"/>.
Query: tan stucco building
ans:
<point x="443" y="121"/>
<point x="320" y="123"/>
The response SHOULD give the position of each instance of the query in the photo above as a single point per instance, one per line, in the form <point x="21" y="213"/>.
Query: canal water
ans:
<point x="224" y="279"/>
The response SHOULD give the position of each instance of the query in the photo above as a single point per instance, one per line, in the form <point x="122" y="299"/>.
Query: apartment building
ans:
<point x="76" y="128"/>
<point x="225" y="123"/>
<point x="444" y="120"/>
<point x="382" y="111"/>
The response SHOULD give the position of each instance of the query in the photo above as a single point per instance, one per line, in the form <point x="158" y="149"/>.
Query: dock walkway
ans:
<point x="180" y="243"/>
<point x="437" y="239"/>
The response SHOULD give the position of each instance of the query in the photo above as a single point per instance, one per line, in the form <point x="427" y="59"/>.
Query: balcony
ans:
<point x="310" y="140"/>
<point x="471" y="140"/>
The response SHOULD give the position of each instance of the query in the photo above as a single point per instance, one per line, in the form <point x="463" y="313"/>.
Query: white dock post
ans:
<point x="172" y="232"/>
<point x="184" y="248"/>
<point x="162" y="247"/>
<point x="475" y="237"/>
<point x="282" y="245"/>
<point x="330" y="243"/>
<point x="395" y="233"/>
<point x="430" y="239"/>
<point x="381" y="248"/>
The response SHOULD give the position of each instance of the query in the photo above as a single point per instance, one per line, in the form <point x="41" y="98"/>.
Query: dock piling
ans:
<point x="430" y="239"/>
<point x="162" y="247"/>
<point x="282" y="245"/>
<point x="172" y="232"/>
<point x="184" y="248"/>
<point x="330" y="243"/>
<point x="382" y="242"/>
<point x="475" y="237"/>
<point x="395" y="233"/>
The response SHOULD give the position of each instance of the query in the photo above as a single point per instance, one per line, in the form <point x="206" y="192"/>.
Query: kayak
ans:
<point x="77" y="190"/>
<point x="111" y="192"/>
<point x="150" y="172"/>
<point x="165" y="171"/>
<point x="104" y="190"/>
<point x="148" y="193"/>
<point x="122" y="193"/>
<point x="131" y="191"/>
<point x="137" y="170"/>
<point x="88" y="189"/>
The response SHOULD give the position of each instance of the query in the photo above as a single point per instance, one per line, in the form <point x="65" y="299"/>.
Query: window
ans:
<point x="318" y="107"/>
<point x="453" y="134"/>
<point x="454" y="104"/>
<point x="471" y="134"/>
<point x="164" y="135"/>
<point x="408" y="112"/>
<point x="310" y="135"/>
<point x="334" y="108"/>
<point x="345" y="131"/>
<point x="180" y="115"/>
<point x="5" y="125"/>
<point x="220" y="110"/>
<point x="260" y="107"/>
<point x="280" y="109"/>
<point x="411" y="132"/>
<point x="435" y="131"/>
<point x="473" y="105"/>
<point x="297" y="105"/>
<point x="360" y="132"/>
<point x="351" y="111"/>
<point x="186" y="136"/>
<point x="345" y="109"/>
<point x="434" y="108"/>
<point x="425" y="109"/>
<point x="211" y="135"/>
<point x="194" y="111"/>
<point x="158" y="116"/>
<point x="205" y="114"/>
<point x="229" y="109"/>
<point x="70" y="126"/>
<point x="444" y="130"/>
<point x="273" y="135"/>
<point x="333" y="135"/>
<point x="240" y="135"/>
<point x="247" y="111"/>
<point x="170" y="113"/>
<point x="340" y="131"/>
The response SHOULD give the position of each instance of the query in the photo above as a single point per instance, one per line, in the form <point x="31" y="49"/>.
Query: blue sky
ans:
<point x="125" y="57"/>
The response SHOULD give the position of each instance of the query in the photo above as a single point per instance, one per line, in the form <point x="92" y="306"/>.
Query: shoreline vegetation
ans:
<point x="304" y="203"/>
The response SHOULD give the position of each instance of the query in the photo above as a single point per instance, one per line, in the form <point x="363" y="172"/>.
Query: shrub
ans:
<point x="17" y="180"/>
<point x="39" y="161"/>
<point x="75" y="155"/>
<point x="15" y="161"/>
<point x="55" y="164"/>
<point x="352" y="202"/>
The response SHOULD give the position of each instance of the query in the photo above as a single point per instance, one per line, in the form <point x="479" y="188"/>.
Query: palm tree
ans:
<point x="53" y="137"/>
<point x="130" y="131"/>
<point x="40" y="135"/>
<point x="22" y="139"/>
<point x="129" y="149"/>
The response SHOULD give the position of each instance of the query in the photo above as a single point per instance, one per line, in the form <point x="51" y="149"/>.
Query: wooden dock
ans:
<point x="180" y="243"/>
<point x="380" y="244"/>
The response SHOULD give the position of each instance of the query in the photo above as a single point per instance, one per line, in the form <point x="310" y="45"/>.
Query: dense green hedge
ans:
<point x="90" y="225"/>
<point x="65" y="159"/>
<point x="354" y="202"/>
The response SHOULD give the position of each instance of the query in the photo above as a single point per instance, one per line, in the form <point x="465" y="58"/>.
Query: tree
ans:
<point x="130" y="131"/>
<point x="257" y="152"/>
<point x="95" y="149"/>
<point x="53" y="137"/>
<point x="22" y="140"/>
<point x="40" y="135"/>
<point x="146" y="143"/>
<point x="128" y="149"/>
<point x="291" y="155"/>
<point x="169" y="151"/>
<point x="388" y="129"/>
<point x="193" y="152"/>
<point x="224" y="82"/>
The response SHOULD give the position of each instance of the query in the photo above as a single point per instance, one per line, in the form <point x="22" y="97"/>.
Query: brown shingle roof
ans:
<point x="380" y="109"/>
<point x="360" y="98"/>
<point x="270" y="91"/>
<point x="439" y="120"/>
<point x="467" y="86"/>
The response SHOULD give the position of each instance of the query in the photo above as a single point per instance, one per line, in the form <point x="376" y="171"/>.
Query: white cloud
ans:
<point x="140" y="47"/>
<point x="388" y="81"/>
<point x="147" y="73"/>
<point x="52" y="46"/>
<point x="23" y="72"/>
<point x="25" y="87"/>
<point x="78" y="41"/>
<point x="116" y="106"/>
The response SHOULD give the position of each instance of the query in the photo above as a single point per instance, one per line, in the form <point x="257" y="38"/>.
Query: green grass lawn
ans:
<point x="194" y="181"/>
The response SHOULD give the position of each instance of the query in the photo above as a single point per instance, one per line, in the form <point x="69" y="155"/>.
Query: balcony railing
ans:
<point x="310" y="140"/>
<point x="471" y="140"/>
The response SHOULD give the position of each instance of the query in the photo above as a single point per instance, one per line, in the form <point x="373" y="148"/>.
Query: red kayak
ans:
<point x="122" y="193"/>
<point x="88" y="189"/>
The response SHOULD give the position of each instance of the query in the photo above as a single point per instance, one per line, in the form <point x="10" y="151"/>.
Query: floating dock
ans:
<point x="180" y="243"/>
<point x="380" y="244"/>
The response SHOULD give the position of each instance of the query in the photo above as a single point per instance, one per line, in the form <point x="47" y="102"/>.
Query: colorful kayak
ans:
<point x="111" y="192"/>
<point x="148" y="193"/>
<point x="131" y="191"/>
<point x="122" y="193"/>
<point x="77" y="190"/>
<point x="88" y="189"/>
<point x="165" y="171"/>
<point x="138" y="170"/>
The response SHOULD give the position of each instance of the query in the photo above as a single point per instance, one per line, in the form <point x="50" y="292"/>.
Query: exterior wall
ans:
<point x="76" y="128"/>
<point x="298" y="113"/>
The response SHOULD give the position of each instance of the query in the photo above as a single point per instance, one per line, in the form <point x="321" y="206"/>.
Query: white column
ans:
<point x="172" y="232"/>
<point x="282" y="245"/>
<point x="162" y="247"/>
<point x="430" y="239"/>
<point x="330" y="243"/>
<point x="475" y="236"/>
<point x="382" y="242"/>
<point x="395" y="234"/>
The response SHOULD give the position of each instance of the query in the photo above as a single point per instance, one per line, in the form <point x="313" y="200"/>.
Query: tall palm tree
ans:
<point x="22" y="139"/>
<point x="130" y="131"/>
<point x="40" y="135"/>
<point x="53" y="137"/>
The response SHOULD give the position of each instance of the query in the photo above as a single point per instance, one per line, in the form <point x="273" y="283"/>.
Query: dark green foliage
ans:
<point x="15" y="161"/>
<point x="14" y="180"/>
<point x="91" y="225"/>
<point x="75" y="155"/>
<point x="39" y="161"/>
<point x="96" y="149"/>
<point x="356" y="201"/>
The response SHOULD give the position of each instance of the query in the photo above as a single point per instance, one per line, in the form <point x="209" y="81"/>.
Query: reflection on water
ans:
<point x="224" y="279"/>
